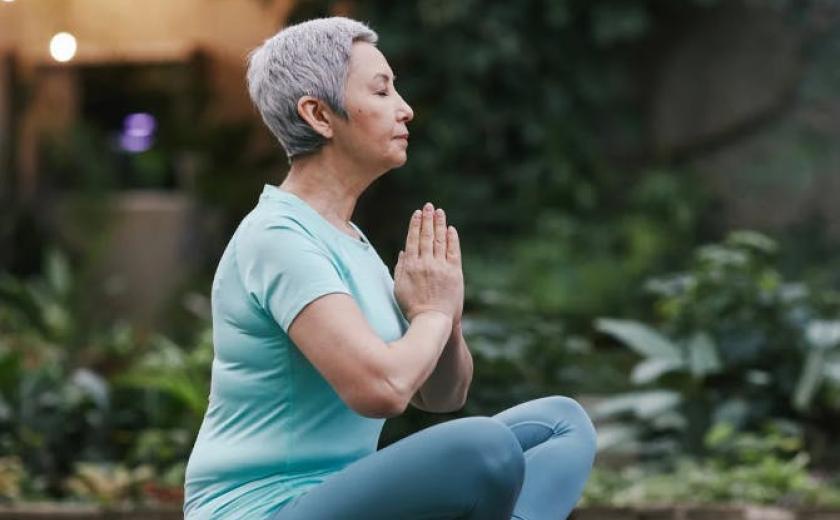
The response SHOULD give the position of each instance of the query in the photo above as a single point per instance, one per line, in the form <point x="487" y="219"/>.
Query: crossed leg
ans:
<point x="529" y="462"/>
<point x="559" y="442"/>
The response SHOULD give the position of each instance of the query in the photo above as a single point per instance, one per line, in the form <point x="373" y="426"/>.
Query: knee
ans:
<point x="571" y="413"/>
<point x="491" y="453"/>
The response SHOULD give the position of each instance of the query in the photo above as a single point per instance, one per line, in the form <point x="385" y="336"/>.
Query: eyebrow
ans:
<point x="385" y="77"/>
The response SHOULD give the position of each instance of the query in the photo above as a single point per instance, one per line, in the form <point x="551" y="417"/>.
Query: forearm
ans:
<point x="411" y="359"/>
<point x="447" y="386"/>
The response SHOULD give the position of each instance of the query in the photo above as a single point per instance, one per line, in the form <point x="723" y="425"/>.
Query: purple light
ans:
<point x="138" y="132"/>
<point x="140" y="124"/>
<point x="135" y="143"/>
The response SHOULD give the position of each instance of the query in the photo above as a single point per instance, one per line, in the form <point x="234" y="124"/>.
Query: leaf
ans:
<point x="177" y="385"/>
<point x="823" y="334"/>
<point x="703" y="355"/>
<point x="93" y="385"/>
<point x="719" y="434"/>
<point x="831" y="370"/>
<point x="758" y="377"/>
<point x="58" y="273"/>
<point x="612" y="406"/>
<point x="810" y="379"/>
<point x="733" y="411"/>
<point x="651" y="369"/>
<point x="670" y="420"/>
<point x="644" y="405"/>
<point x="655" y="403"/>
<point x="752" y="240"/>
<point x="717" y="256"/>
<point x="641" y="338"/>
<point x="614" y="435"/>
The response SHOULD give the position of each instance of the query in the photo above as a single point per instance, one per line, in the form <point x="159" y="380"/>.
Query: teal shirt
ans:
<point x="274" y="427"/>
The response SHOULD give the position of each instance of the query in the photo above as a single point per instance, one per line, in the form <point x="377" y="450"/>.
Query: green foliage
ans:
<point x="79" y="158"/>
<point x="180" y="374"/>
<point x="767" y="468"/>
<point x="577" y="268"/>
<point x="54" y="399"/>
<point x="75" y="394"/>
<point x="533" y="298"/>
<point x="41" y="306"/>
<point x="109" y="484"/>
<point x="735" y="342"/>
<point x="175" y="381"/>
<point x="229" y="174"/>
<point x="11" y="478"/>
<point x="522" y="126"/>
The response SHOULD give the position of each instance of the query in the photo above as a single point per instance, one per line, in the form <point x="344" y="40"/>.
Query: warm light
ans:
<point x="8" y="1"/>
<point x="63" y="46"/>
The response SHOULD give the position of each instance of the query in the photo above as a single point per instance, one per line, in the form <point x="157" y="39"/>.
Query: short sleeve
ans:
<point x="284" y="270"/>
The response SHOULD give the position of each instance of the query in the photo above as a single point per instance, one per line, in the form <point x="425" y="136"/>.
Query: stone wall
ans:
<point x="148" y="249"/>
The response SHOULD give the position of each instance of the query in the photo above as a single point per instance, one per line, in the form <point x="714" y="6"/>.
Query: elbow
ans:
<point x="450" y="407"/>
<point x="379" y="407"/>
<point x="383" y="407"/>
<point x="457" y="401"/>
<point x="451" y="404"/>
<point x="381" y="402"/>
<point x="459" y="404"/>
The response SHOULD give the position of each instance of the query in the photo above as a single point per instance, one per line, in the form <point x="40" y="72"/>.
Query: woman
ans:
<point x="315" y="343"/>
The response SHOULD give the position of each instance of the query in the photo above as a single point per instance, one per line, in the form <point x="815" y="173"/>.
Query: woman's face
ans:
<point x="375" y="133"/>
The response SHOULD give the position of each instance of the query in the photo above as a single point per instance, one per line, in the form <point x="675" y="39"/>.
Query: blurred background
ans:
<point x="646" y="193"/>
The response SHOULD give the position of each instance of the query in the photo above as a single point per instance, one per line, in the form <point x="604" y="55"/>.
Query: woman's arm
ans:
<point x="378" y="380"/>
<point x="374" y="378"/>
<point x="446" y="388"/>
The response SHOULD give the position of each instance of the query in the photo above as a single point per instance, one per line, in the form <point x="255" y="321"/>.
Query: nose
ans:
<point x="405" y="111"/>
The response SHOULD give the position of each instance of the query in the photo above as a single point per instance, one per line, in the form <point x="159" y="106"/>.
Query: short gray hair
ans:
<point x="307" y="59"/>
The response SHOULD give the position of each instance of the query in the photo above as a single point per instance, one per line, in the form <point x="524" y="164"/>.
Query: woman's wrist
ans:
<point x="432" y="314"/>
<point x="436" y="324"/>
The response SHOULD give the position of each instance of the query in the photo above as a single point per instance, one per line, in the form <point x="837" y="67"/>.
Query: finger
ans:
<point x="427" y="231"/>
<point x="412" y="240"/>
<point x="453" y="246"/>
<point x="440" y="234"/>
<point x="399" y="267"/>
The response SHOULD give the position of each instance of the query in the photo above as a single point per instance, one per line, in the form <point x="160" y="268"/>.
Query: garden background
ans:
<point x="645" y="192"/>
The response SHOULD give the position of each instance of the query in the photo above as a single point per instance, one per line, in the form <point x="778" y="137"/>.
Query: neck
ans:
<point x="328" y="183"/>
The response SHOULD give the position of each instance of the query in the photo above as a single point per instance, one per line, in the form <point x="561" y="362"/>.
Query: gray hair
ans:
<point x="307" y="59"/>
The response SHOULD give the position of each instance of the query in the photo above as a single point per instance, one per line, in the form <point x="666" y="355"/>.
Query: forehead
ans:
<point x="366" y="61"/>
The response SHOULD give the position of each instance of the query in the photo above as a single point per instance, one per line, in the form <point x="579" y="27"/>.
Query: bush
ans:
<point x="735" y="342"/>
<point x="769" y="468"/>
<point x="77" y="395"/>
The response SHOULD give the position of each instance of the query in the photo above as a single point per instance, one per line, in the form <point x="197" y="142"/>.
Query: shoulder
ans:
<point x="276" y="231"/>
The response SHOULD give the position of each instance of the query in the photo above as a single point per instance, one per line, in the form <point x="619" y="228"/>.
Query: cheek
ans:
<point x="371" y="122"/>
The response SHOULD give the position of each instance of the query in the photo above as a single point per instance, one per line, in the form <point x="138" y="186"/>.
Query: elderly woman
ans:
<point x="316" y="344"/>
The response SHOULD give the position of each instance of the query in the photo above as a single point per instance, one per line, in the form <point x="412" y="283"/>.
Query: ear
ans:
<point x="317" y="114"/>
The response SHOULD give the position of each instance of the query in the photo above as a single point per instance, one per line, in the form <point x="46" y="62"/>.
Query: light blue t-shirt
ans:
<point x="274" y="427"/>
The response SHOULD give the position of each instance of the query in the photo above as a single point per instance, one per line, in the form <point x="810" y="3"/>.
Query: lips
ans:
<point x="402" y="136"/>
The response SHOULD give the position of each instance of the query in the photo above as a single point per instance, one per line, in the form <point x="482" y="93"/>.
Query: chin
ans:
<point x="400" y="160"/>
<point x="392" y="164"/>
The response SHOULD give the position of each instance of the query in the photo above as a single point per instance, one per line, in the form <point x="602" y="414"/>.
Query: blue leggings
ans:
<point x="529" y="462"/>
